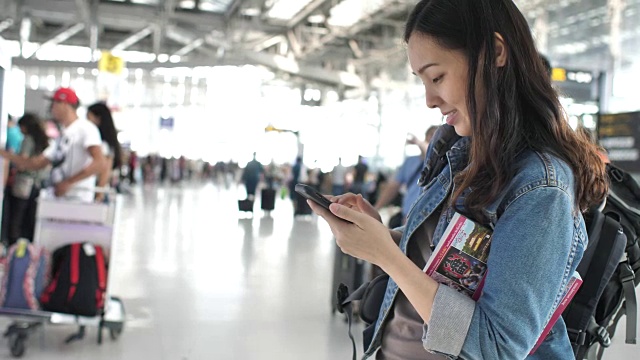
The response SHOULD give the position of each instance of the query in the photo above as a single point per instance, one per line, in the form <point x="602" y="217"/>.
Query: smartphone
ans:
<point x="312" y="194"/>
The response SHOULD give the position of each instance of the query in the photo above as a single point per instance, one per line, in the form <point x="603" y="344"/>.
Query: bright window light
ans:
<point x="187" y="4"/>
<point x="349" y="12"/>
<point x="211" y="6"/>
<point x="287" y="9"/>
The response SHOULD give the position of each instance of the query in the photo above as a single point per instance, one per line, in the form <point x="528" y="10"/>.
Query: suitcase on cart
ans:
<point x="268" y="199"/>
<point x="346" y="270"/>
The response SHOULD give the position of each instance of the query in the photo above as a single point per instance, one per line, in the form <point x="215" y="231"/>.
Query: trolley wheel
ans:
<point x="17" y="344"/>
<point x="116" y="331"/>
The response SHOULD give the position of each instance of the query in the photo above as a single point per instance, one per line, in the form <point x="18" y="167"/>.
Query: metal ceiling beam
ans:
<point x="134" y="38"/>
<point x="304" y="13"/>
<point x="5" y="24"/>
<point x="271" y="41"/>
<point x="83" y="9"/>
<point x="361" y="25"/>
<point x="294" y="44"/>
<point x="189" y="47"/>
<point x="93" y="28"/>
<point x="291" y="66"/>
<point x="277" y="62"/>
<point x="233" y="8"/>
<point x="167" y="10"/>
<point x="60" y="37"/>
<point x="25" y="33"/>
<point x="183" y="37"/>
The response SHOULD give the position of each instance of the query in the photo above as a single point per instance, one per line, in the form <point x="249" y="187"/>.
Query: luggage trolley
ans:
<point x="60" y="222"/>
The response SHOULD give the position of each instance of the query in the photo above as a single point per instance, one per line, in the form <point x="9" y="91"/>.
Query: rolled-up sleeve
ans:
<point x="530" y="260"/>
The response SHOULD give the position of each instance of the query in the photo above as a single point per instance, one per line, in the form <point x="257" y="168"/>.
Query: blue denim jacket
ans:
<point x="538" y="239"/>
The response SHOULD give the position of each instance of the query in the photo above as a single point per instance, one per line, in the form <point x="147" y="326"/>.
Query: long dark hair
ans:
<point x="107" y="130"/>
<point x="34" y="127"/>
<point x="522" y="110"/>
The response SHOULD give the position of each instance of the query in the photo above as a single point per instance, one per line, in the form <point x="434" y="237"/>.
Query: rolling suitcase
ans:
<point x="268" y="199"/>
<point x="245" y="205"/>
<point x="302" y="208"/>
<point x="346" y="270"/>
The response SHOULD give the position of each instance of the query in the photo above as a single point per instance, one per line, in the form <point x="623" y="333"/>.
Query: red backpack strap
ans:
<point x="102" y="277"/>
<point x="74" y="273"/>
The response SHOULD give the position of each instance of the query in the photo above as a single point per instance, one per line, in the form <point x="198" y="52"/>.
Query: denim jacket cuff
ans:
<point x="450" y="320"/>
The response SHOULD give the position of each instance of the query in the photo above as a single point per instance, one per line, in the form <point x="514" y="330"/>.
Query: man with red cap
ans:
<point x="76" y="157"/>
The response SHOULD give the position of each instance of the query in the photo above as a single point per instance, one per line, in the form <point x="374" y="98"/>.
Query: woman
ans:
<point x="26" y="186"/>
<point x="100" y="115"/>
<point x="518" y="168"/>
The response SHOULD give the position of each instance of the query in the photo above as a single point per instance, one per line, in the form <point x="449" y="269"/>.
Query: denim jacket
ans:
<point x="538" y="239"/>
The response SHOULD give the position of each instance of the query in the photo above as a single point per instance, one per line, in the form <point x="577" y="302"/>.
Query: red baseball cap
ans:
<point x="66" y="95"/>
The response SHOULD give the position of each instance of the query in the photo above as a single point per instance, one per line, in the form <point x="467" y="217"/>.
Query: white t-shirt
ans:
<point x="338" y="174"/>
<point x="71" y="152"/>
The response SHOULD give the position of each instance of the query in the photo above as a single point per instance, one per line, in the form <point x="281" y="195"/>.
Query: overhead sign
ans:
<point x="619" y="134"/>
<point x="111" y="64"/>
<point x="577" y="76"/>
<point x="579" y="85"/>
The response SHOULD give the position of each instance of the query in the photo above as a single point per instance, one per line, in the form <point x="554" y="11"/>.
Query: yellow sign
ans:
<point x="559" y="74"/>
<point x="111" y="64"/>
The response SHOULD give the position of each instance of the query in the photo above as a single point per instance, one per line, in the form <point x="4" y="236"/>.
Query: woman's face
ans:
<point x="93" y="118"/>
<point x="444" y="74"/>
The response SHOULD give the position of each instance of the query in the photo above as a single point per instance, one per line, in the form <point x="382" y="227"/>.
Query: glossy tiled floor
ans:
<point x="201" y="281"/>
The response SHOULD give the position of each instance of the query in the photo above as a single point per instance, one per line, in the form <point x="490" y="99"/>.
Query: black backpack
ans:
<point x="610" y="270"/>
<point x="79" y="282"/>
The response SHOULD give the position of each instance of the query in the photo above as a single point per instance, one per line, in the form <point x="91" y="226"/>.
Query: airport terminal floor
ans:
<point x="200" y="280"/>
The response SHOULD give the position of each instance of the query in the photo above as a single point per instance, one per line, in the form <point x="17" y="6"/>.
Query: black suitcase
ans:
<point x="245" y="205"/>
<point x="346" y="270"/>
<point x="268" y="199"/>
<point x="302" y="208"/>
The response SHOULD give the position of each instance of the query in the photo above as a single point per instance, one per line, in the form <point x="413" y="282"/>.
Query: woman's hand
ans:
<point x="365" y="238"/>
<point x="358" y="203"/>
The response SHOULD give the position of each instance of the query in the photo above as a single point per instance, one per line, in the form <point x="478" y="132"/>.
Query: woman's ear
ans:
<point x="501" y="50"/>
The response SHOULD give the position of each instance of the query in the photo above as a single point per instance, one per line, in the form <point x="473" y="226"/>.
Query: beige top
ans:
<point x="402" y="337"/>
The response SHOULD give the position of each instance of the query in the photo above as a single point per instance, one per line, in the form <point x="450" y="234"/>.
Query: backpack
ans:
<point x="610" y="278"/>
<point x="79" y="282"/>
<point x="26" y="273"/>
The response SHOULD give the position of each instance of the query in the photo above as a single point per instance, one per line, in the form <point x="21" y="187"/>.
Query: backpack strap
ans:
<point x="102" y="277"/>
<point x="630" y="302"/>
<point x="581" y="326"/>
<point x="345" y="307"/>
<point x="74" y="273"/>
<point x="444" y="138"/>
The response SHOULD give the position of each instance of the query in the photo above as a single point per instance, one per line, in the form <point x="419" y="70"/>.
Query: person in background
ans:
<point x="298" y="175"/>
<point x="27" y="183"/>
<point x="100" y="115"/>
<point x="251" y="176"/>
<point x="359" y="175"/>
<point x="407" y="176"/>
<point x="133" y="165"/>
<point x="517" y="168"/>
<point x="76" y="157"/>
<point x="338" y="178"/>
<point x="14" y="140"/>
<point x="14" y="136"/>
